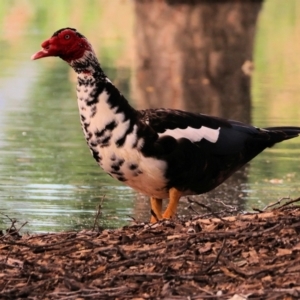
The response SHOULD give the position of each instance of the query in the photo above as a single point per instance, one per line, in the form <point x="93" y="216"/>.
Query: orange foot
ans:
<point x="156" y="206"/>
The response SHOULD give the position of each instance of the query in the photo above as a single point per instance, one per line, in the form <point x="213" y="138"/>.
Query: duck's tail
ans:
<point x="282" y="133"/>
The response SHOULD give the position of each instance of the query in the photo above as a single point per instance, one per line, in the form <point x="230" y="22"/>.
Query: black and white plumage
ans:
<point x="163" y="153"/>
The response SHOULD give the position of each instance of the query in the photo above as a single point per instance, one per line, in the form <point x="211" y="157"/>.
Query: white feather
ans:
<point x="150" y="178"/>
<point x="194" y="134"/>
<point x="150" y="181"/>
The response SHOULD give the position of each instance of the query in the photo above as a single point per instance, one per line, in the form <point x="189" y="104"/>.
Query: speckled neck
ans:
<point x="88" y="64"/>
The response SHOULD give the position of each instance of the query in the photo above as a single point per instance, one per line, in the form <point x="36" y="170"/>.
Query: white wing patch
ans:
<point x="194" y="134"/>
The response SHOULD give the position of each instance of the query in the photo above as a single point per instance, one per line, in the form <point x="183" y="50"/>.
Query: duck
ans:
<point x="162" y="153"/>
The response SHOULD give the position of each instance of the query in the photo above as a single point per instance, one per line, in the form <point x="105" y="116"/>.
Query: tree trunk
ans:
<point x="195" y="55"/>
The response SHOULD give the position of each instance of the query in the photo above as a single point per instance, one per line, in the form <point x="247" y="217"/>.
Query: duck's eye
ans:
<point x="67" y="36"/>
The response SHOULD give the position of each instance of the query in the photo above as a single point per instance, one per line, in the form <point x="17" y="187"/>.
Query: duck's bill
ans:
<point x="40" y="54"/>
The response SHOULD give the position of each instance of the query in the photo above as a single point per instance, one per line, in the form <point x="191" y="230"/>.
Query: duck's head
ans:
<point x="66" y="43"/>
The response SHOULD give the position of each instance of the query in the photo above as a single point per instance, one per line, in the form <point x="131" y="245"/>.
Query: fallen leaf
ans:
<point x="282" y="252"/>
<point x="98" y="271"/>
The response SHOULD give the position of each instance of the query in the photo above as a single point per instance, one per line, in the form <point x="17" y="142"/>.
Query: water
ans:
<point x="47" y="175"/>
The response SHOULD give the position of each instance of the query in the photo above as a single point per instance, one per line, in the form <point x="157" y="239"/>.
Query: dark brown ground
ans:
<point x="250" y="256"/>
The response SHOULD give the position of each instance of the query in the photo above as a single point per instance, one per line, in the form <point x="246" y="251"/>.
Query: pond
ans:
<point x="47" y="175"/>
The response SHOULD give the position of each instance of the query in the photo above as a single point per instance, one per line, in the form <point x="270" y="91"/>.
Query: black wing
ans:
<point x="220" y="136"/>
<point x="202" y="151"/>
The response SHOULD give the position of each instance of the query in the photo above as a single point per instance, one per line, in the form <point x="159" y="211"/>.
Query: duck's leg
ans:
<point x="174" y="196"/>
<point x="156" y="209"/>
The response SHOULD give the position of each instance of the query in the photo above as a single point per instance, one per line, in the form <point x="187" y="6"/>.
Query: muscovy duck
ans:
<point x="163" y="153"/>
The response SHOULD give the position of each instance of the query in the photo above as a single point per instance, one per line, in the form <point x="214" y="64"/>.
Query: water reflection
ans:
<point x="51" y="207"/>
<point x="47" y="175"/>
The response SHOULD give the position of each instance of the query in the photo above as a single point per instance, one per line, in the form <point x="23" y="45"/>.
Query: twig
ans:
<point x="133" y="219"/>
<point x="194" y="210"/>
<point x="275" y="203"/>
<point x="257" y="210"/>
<point x="208" y="208"/>
<point x="91" y="292"/>
<point x="154" y="215"/>
<point x="47" y="247"/>
<point x="216" y="259"/>
<point x="98" y="213"/>
<point x="22" y="226"/>
<point x="295" y="291"/>
<point x="11" y="220"/>
<point x="7" y="257"/>
<point x="290" y="202"/>
<point x="233" y="267"/>
<point x="233" y="208"/>
<point x="12" y="230"/>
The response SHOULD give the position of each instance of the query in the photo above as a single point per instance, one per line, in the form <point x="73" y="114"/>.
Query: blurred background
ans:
<point x="47" y="175"/>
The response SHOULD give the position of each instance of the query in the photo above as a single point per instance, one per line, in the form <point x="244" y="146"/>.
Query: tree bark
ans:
<point x="195" y="55"/>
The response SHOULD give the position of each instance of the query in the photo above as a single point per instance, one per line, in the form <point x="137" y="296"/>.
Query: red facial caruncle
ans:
<point x="66" y="43"/>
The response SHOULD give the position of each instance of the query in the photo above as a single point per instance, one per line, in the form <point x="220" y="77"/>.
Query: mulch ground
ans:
<point x="247" y="256"/>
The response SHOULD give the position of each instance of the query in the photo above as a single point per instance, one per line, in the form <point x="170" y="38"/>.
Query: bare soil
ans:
<point x="247" y="256"/>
